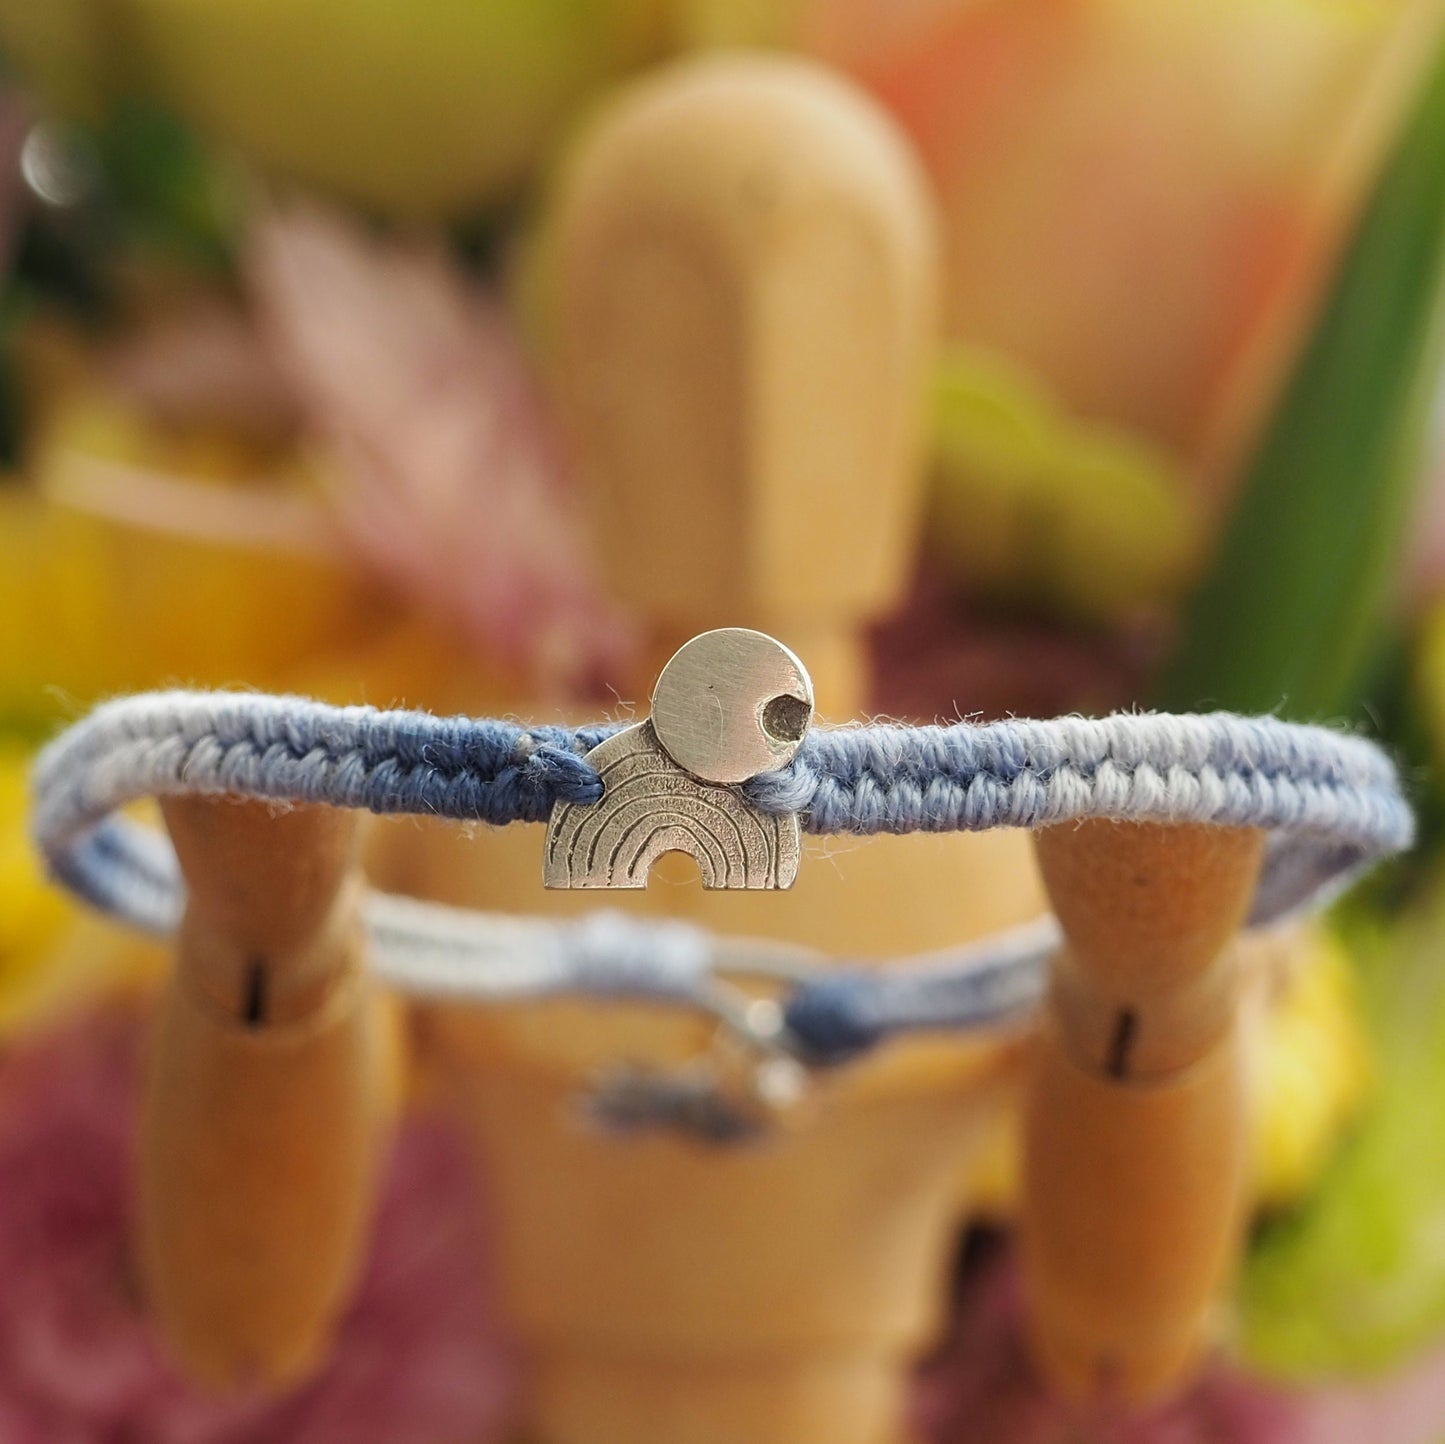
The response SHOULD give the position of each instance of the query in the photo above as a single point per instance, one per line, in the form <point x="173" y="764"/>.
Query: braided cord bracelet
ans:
<point x="1331" y="802"/>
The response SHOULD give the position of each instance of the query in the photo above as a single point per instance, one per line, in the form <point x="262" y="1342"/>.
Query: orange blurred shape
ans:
<point x="1142" y="197"/>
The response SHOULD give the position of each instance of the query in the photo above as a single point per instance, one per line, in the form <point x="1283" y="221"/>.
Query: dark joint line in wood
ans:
<point x="1126" y="1034"/>
<point x="253" y="1007"/>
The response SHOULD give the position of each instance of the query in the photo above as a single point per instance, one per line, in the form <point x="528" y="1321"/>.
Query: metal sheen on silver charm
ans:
<point x="730" y="704"/>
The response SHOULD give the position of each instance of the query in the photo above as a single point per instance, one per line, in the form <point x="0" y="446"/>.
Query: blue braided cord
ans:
<point x="1332" y="802"/>
<point x="1334" y="798"/>
<point x="845" y="1011"/>
<point x="1215" y="768"/>
<point x="287" y="749"/>
<point x="832" y="1014"/>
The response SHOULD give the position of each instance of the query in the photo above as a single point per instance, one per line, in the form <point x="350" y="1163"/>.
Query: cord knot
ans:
<point x="561" y="776"/>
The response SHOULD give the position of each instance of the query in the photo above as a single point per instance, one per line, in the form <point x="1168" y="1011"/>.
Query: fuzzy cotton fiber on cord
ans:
<point x="1331" y="801"/>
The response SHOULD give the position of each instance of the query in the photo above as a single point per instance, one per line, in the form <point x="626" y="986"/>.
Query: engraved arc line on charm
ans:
<point x="733" y="703"/>
<point x="614" y="842"/>
<point x="666" y="780"/>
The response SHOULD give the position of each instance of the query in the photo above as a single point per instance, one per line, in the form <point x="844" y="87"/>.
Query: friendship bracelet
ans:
<point x="1331" y="802"/>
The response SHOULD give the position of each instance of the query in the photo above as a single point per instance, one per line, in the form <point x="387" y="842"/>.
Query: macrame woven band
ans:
<point x="1331" y="802"/>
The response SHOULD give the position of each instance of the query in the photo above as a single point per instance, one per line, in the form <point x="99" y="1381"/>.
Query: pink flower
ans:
<point x="446" y="476"/>
<point x="418" y="1358"/>
<point x="981" y="1388"/>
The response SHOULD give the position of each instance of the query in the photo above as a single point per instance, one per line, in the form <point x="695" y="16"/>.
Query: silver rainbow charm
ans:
<point x="730" y="704"/>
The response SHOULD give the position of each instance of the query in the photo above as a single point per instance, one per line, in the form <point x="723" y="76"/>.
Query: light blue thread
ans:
<point x="1331" y="801"/>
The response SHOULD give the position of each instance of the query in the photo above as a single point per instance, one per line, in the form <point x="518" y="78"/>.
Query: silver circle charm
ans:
<point x="732" y="703"/>
<point x="729" y="705"/>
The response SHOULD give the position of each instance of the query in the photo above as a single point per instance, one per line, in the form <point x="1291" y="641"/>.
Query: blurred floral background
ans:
<point x="275" y="412"/>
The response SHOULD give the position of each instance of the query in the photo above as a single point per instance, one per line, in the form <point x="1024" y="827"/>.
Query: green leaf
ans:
<point x="1289" y="613"/>
<point x="1356" y="1282"/>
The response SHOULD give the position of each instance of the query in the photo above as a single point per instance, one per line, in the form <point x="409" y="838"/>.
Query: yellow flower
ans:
<point x="141" y="559"/>
<point x="1314" y="1073"/>
<point x="32" y="914"/>
<point x="52" y="956"/>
